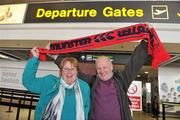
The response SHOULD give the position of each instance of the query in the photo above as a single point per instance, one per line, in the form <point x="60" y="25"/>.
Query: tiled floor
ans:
<point x="4" y="115"/>
<point x="148" y="116"/>
<point x="24" y="114"/>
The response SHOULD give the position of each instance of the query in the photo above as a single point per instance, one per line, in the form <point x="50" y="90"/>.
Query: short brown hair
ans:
<point x="72" y="60"/>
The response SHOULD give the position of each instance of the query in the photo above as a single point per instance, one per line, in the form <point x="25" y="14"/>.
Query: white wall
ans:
<point x="169" y="86"/>
<point x="11" y="73"/>
<point x="168" y="33"/>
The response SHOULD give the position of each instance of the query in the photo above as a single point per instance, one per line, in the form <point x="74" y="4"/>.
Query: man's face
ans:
<point x="69" y="73"/>
<point x="104" y="68"/>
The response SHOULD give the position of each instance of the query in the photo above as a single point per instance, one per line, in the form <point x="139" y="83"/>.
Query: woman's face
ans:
<point x="69" y="73"/>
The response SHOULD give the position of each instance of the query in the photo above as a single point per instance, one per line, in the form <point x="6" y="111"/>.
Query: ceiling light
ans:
<point x="138" y="75"/>
<point x="8" y="56"/>
<point x="4" y="56"/>
<point x="146" y="72"/>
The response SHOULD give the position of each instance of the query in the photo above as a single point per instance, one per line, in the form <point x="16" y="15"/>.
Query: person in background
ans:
<point x="109" y="99"/>
<point x="65" y="97"/>
<point x="155" y="106"/>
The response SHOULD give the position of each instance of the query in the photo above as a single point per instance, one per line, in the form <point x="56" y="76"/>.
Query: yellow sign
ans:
<point x="74" y="12"/>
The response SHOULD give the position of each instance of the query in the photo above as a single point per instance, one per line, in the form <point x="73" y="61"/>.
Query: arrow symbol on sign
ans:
<point x="82" y="57"/>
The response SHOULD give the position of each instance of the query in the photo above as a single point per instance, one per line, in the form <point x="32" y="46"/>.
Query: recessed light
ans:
<point x="146" y="72"/>
<point x="3" y="56"/>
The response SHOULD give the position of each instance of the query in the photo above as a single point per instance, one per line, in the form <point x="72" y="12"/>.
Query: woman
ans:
<point x="61" y="98"/>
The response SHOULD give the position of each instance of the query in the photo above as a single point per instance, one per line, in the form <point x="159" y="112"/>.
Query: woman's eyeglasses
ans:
<point x="68" y="69"/>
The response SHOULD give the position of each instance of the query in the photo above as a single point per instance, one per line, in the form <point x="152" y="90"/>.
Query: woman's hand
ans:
<point x="35" y="52"/>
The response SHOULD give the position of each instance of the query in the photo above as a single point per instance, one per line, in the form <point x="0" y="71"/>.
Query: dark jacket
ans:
<point x="123" y="79"/>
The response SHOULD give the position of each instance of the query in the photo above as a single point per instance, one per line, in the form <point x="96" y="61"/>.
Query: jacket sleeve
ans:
<point x="134" y="64"/>
<point x="29" y="79"/>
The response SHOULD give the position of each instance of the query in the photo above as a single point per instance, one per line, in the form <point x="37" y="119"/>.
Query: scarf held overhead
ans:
<point x="131" y="33"/>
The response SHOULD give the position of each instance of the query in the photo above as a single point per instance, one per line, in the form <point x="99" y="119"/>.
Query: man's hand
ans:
<point x="149" y="25"/>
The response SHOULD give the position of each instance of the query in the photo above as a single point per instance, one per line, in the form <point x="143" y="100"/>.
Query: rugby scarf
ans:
<point x="131" y="33"/>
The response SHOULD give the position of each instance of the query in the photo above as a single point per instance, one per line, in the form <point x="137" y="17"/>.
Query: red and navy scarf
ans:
<point x="131" y="33"/>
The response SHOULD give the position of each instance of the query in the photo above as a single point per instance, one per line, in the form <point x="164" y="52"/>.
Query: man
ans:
<point x="109" y="99"/>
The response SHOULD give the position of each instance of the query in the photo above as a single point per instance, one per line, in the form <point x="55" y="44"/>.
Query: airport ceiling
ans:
<point x="29" y="1"/>
<point x="26" y="1"/>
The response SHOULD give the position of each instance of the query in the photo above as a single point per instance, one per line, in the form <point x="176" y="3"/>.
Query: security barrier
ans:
<point x="166" y="105"/>
<point x="19" y="99"/>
